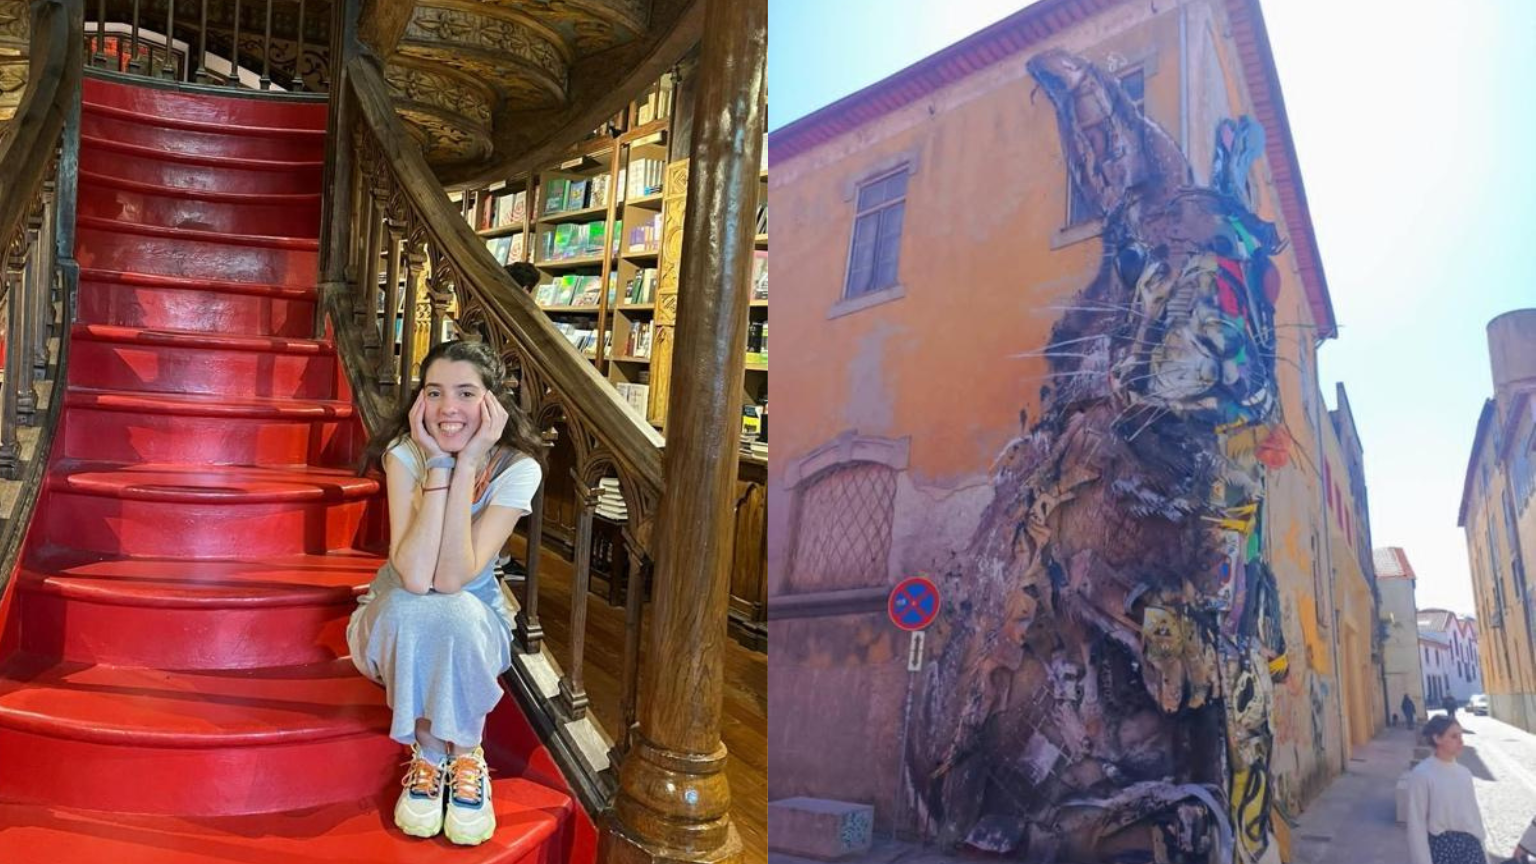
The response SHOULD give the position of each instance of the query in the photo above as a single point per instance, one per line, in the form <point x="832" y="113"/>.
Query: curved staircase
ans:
<point x="173" y="679"/>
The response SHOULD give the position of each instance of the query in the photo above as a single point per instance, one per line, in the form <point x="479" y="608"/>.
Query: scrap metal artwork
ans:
<point x="1107" y="673"/>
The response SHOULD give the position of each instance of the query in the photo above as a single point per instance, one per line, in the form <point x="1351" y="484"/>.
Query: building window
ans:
<point x="1080" y="207"/>
<point x="872" y="254"/>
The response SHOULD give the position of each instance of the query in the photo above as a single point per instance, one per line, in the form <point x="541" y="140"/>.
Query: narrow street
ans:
<point x="1354" y="820"/>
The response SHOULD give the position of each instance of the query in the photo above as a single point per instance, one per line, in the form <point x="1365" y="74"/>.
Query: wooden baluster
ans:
<point x="169" y="69"/>
<point x="439" y="300"/>
<point x="45" y="284"/>
<point x="673" y="801"/>
<point x="266" y="52"/>
<point x="134" y="65"/>
<point x="10" y="452"/>
<point x="298" y="57"/>
<point x="413" y="261"/>
<point x="634" y="600"/>
<point x="370" y="269"/>
<point x="529" y="632"/>
<point x="202" y="45"/>
<point x="573" y="693"/>
<point x="234" y="51"/>
<point x="101" y="34"/>
<point x="394" y="231"/>
<point x="25" y="305"/>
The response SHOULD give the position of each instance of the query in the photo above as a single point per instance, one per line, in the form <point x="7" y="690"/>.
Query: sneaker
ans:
<point x="471" y="819"/>
<point x="419" y="812"/>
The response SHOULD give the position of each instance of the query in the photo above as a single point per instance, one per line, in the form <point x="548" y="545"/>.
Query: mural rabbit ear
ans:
<point x="1116" y="155"/>
<point x="1239" y="143"/>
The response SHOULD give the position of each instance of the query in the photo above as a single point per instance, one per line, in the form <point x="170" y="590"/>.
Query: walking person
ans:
<point x="1449" y="704"/>
<point x="1408" y="707"/>
<point x="1444" y="824"/>
<point x="461" y="468"/>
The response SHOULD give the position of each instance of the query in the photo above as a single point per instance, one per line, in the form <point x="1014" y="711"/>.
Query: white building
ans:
<point x="1399" y="614"/>
<point x="1449" y="656"/>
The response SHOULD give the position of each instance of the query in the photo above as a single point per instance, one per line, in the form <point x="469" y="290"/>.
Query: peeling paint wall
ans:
<point x="987" y="266"/>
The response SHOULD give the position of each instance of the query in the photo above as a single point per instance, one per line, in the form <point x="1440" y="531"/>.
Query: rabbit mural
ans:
<point x="1106" y="678"/>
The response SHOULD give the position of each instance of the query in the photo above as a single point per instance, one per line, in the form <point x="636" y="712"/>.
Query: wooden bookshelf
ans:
<point x="629" y="174"/>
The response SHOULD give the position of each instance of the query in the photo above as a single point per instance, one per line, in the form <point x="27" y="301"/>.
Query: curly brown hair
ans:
<point x="520" y="435"/>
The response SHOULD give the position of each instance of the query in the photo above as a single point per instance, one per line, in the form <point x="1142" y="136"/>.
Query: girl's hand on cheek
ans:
<point x="419" y="432"/>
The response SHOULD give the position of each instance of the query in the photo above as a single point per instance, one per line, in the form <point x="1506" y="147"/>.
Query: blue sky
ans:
<point x="1415" y="150"/>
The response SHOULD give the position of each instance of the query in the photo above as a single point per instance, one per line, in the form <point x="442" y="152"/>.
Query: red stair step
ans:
<point x="189" y="511"/>
<point x="191" y="743"/>
<point x="532" y="822"/>
<point x="107" y="357"/>
<point x="178" y="614"/>
<point x="193" y="254"/>
<point x="108" y="297"/>
<point x="133" y="202"/>
<point x="126" y="426"/>
<point x="180" y="171"/>
<point x="179" y="135"/>
<point x="255" y="110"/>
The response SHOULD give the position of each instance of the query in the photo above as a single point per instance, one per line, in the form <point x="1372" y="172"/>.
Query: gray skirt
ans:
<point x="439" y="657"/>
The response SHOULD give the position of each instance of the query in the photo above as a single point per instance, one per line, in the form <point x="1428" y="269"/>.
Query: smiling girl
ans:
<point x="461" y="467"/>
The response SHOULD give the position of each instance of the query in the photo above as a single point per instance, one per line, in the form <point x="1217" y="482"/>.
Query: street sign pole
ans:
<point x="914" y="666"/>
<point x="913" y="605"/>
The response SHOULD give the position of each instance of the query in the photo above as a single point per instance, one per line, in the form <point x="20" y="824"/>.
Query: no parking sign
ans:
<point x="914" y="603"/>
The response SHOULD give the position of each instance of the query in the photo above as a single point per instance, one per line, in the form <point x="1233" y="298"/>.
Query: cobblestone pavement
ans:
<point x="1354" y="821"/>
<point x="1502" y="759"/>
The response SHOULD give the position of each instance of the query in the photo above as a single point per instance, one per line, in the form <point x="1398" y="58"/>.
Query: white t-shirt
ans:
<point x="513" y="487"/>
<point x="1440" y="799"/>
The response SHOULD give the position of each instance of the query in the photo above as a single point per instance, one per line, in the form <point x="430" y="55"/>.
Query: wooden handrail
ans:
<point x="395" y="253"/>
<point x="37" y="269"/>
<point x="633" y="446"/>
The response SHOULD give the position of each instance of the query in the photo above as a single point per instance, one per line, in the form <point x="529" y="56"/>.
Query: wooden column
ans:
<point x="673" y="801"/>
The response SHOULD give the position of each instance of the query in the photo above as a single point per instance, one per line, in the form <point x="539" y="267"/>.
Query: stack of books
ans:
<point x="610" y="501"/>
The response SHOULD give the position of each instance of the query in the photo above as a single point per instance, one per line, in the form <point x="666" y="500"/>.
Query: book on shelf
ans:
<point x="573" y="240"/>
<point x="641" y="288"/>
<point x="637" y="396"/>
<point x="645" y="176"/>
<point x="500" y="249"/>
<point x="554" y="194"/>
<point x="759" y="274"/>
<point x="762" y="218"/>
<point x="597" y="191"/>
<point x="645" y="237"/>
<point x="639" y="343"/>
<point x="576" y="195"/>
<point x="757" y="342"/>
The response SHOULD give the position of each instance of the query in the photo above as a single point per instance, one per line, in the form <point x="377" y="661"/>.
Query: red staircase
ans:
<point x="174" y="684"/>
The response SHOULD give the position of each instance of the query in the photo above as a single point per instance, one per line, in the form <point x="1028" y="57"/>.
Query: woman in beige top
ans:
<point x="1444" y="825"/>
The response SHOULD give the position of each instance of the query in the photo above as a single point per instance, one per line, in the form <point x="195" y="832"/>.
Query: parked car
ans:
<point x="1478" y="704"/>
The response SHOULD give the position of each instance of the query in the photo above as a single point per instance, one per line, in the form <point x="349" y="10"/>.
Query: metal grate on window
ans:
<point x="843" y="530"/>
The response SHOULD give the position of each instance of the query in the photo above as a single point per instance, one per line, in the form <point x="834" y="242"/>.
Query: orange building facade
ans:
<point x="935" y="255"/>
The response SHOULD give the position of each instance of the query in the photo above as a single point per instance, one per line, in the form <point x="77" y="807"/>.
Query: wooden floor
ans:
<point x="745" y="711"/>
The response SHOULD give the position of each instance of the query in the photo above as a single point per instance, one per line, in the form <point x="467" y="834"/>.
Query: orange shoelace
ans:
<point x="423" y="778"/>
<point x="467" y="773"/>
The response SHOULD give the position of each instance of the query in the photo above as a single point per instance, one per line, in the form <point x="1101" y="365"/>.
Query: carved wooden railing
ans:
<point x="395" y="244"/>
<point x="37" y="268"/>
<point x="269" y="45"/>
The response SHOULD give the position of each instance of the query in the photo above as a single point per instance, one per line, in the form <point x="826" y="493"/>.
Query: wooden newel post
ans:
<point x="673" y="801"/>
